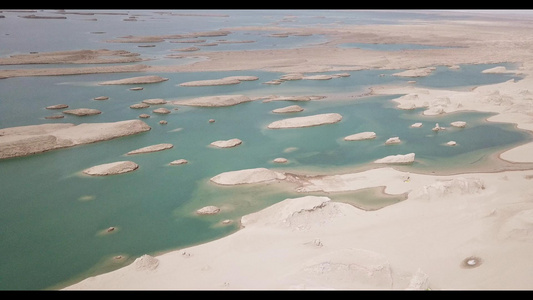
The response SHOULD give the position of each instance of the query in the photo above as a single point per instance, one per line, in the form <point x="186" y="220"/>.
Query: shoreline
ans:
<point x="312" y="242"/>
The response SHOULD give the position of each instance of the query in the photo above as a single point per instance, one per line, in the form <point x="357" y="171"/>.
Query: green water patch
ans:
<point x="367" y="199"/>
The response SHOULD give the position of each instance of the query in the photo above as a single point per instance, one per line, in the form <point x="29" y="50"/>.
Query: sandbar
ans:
<point x="288" y="109"/>
<point x="73" y="57"/>
<point x="291" y="98"/>
<point x="213" y="101"/>
<point x="82" y="112"/>
<point x="222" y="81"/>
<point x="114" y="168"/>
<point x="152" y="148"/>
<point x="136" y="80"/>
<point x="367" y="135"/>
<point x="226" y="143"/>
<point x="308" y="121"/>
<point x="33" y="139"/>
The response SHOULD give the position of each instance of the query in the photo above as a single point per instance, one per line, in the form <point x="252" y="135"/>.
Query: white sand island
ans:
<point x="288" y="109"/>
<point x="32" y="139"/>
<point x="114" y="168"/>
<point x="308" y="121"/>
<point x="152" y="148"/>
<point x="222" y="81"/>
<point x="82" y="112"/>
<point x="214" y="101"/>
<point x="154" y="101"/>
<point x="226" y="143"/>
<point x="367" y="135"/>
<point x="136" y="80"/>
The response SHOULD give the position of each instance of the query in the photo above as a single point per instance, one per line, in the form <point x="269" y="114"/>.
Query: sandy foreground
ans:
<point x="462" y="231"/>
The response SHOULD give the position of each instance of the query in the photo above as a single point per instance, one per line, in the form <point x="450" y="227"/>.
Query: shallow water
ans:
<point x="54" y="219"/>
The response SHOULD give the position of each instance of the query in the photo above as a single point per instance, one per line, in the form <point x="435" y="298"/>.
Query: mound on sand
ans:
<point x="397" y="159"/>
<point x="307" y="121"/>
<point x="153" y="148"/>
<point x="449" y="188"/>
<point x="114" y="168"/>
<point x="136" y="80"/>
<point x="146" y="262"/>
<point x="27" y="140"/>
<point x="247" y="176"/>
<point x="214" y="101"/>
<point x="283" y="212"/>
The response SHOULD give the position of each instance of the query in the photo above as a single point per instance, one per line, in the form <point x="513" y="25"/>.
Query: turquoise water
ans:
<point x="53" y="219"/>
<point x="52" y="216"/>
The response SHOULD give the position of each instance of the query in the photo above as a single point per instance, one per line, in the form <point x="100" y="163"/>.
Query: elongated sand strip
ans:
<point x="367" y="135"/>
<point x="214" y="101"/>
<point x="152" y="148"/>
<point x="114" y="168"/>
<point x="288" y="109"/>
<point x="135" y="80"/>
<point x="32" y="139"/>
<point x="223" y="81"/>
<point x="308" y="121"/>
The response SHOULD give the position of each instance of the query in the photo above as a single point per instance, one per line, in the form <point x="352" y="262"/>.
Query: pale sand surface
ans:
<point x="422" y="242"/>
<point x="222" y="81"/>
<point x="288" y="109"/>
<point x="307" y="121"/>
<point x="313" y="243"/>
<point x="226" y="143"/>
<point x="397" y="159"/>
<point x="213" y="101"/>
<point x="113" y="168"/>
<point x="367" y="135"/>
<point x="152" y="148"/>
<point x="32" y="139"/>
